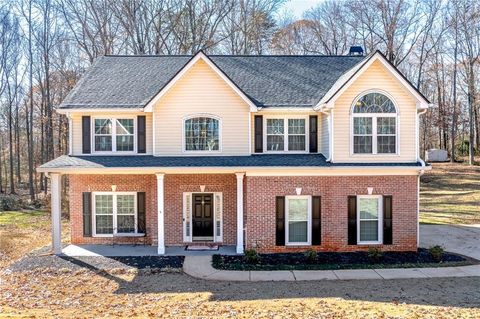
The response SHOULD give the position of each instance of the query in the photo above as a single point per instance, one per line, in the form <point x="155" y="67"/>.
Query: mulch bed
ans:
<point x="338" y="260"/>
<point x="33" y="262"/>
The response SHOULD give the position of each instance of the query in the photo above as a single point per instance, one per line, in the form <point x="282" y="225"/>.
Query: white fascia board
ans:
<point x="99" y="110"/>
<point x="200" y="55"/>
<point x="250" y="171"/>
<point x="421" y="102"/>
<point x="286" y="109"/>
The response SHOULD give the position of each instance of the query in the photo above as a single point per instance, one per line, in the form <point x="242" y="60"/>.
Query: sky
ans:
<point x="297" y="7"/>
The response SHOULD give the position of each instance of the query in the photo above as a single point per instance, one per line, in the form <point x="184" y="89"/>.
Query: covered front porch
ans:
<point x="139" y="250"/>
<point x="163" y="196"/>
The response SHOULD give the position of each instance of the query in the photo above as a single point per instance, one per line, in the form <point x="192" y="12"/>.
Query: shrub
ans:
<point x="375" y="254"/>
<point x="436" y="252"/>
<point x="310" y="256"/>
<point x="10" y="202"/>
<point x="251" y="256"/>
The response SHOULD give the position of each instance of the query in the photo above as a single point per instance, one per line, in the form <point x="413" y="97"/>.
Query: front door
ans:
<point x="202" y="216"/>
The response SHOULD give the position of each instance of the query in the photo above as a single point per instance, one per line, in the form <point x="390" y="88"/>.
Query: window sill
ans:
<point x="376" y="155"/>
<point x="366" y="243"/>
<point x="297" y="244"/>
<point x="201" y="152"/>
<point x="119" y="235"/>
<point x="113" y="153"/>
<point x="285" y="152"/>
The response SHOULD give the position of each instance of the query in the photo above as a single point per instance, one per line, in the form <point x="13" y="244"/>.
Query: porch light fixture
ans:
<point x="114" y="188"/>
<point x="298" y="190"/>
<point x="370" y="190"/>
<point x="202" y="188"/>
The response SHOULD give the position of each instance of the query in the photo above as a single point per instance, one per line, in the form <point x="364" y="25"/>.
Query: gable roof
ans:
<point x="131" y="82"/>
<point x="351" y="75"/>
<point x="200" y="56"/>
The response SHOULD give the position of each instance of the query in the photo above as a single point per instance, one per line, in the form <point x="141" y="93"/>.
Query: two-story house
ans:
<point x="276" y="153"/>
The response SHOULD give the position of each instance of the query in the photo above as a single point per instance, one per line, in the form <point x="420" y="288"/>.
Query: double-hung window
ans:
<point x="374" y="125"/>
<point x="114" y="134"/>
<point x="286" y="134"/>
<point x="115" y="213"/>
<point x="298" y="220"/>
<point x="369" y="219"/>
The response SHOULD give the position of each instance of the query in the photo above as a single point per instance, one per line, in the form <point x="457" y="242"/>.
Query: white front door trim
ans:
<point x="188" y="216"/>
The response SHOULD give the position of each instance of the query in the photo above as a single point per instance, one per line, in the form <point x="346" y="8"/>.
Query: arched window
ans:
<point x="374" y="125"/>
<point x="202" y="134"/>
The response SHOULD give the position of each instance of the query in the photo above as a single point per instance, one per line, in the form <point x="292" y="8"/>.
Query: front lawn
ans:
<point x="337" y="260"/>
<point x="89" y="294"/>
<point x="450" y="194"/>
<point x="23" y="231"/>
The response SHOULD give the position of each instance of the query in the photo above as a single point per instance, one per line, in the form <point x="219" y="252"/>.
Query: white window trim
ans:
<point x="374" y="117"/>
<point x="380" y="220"/>
<point x="309" y="220"/>
<point x="114" y="134"/>
<point x="217" y="238"/>
<point x="114" y="203"/>
<point x="220" y="140"/>
<point x="285" y="119"/>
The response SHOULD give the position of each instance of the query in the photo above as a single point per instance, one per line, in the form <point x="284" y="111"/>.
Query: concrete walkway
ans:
<point x="138" y="250"/>
<point x="201" y="267"/>
<point x="460" y="239"/>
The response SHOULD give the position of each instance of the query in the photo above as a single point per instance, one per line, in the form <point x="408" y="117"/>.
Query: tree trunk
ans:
<point x="29" y="113"/>
<point x="454" y="111"/>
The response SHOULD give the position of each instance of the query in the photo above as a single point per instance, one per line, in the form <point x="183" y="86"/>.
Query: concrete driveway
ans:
<point x="461" y="239"/>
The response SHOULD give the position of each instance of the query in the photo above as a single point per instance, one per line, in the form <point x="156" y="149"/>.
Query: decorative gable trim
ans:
<point x="344" y="82"/>
<point x="184" y="70"/>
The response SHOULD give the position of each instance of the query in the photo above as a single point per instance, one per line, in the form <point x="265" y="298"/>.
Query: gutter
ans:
<point x="309" y="170"/>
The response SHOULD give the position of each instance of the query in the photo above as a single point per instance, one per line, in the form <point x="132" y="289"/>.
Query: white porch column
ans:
<point x="160" y="213"/>
<point x="56" y="193"/>
<point x="240" y="212"/>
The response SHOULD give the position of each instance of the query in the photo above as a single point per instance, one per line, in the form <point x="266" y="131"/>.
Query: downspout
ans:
<point x="329" y="115"/>
<point x="419" y="159"/>
<point x="70" y="133"/>
<point x="420" y="173"/>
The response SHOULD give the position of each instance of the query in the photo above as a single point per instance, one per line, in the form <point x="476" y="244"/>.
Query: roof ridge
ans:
<point x="232" y="55"/>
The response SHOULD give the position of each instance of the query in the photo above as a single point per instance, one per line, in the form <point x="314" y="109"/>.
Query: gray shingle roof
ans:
<point x="136" y="161"/>
<point x="132" y="81"/>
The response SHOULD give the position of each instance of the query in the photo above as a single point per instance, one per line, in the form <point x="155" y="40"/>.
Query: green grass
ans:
<point x="23" y="219"/>
<point x="450" y="194"/>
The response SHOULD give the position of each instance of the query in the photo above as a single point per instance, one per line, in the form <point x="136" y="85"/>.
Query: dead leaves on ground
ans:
<point x="84" y="293"/>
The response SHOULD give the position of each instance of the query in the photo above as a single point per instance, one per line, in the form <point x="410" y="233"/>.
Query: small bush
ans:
<point x="310" y="256"/>
<point x="436" y="252"/>
<point x="375" y="254"/>
<point x="11" y="202"/>
<point x="251" y="256"/>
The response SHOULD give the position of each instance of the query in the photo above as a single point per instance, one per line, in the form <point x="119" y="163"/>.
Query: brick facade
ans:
<point x="103" y="183"/>
<point x="260" y="209"/>
<point x="259" y="203"/>
<point x="175" y="185"/>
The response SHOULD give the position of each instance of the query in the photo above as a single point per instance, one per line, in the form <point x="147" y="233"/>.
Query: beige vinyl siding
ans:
<point x="270" y="114"/>
<point x="376" y="77"/>
<point x="77" y="128"/>
<point x="324" y="146"/>
<point x="201" y="91"/>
